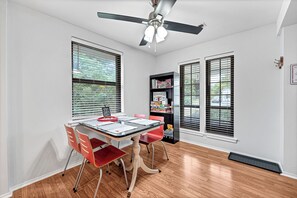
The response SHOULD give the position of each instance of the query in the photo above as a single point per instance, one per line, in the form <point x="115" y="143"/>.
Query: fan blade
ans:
<point x="143" y="42"/>
<point x="164" y="7"/>
<point x="121" y="17"/>
<point x="180" y="27"/>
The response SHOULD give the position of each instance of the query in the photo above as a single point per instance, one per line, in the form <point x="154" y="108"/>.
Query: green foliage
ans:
<point x="90" y="64"/>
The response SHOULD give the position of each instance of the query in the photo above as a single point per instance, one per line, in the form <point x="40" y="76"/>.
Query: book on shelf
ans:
<point x="159" y="106"/>
<point x="157" y="84"/>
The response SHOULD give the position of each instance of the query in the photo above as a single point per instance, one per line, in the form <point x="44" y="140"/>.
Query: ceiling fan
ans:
<point x="156" y="25"/>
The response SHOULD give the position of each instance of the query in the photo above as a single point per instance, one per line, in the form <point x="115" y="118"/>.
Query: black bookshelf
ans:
<point x="164" y="101"/>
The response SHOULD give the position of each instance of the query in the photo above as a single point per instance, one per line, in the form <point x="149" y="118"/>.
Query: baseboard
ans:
<point x="6" y="195"/>
<point x="286" y="174"/>
<point x="228" y="151"/>
<point x="207" y="146"/>
<point x="31" y="181"/>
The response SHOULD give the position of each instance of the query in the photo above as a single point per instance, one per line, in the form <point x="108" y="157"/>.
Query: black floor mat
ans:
<point x="255" y="162"/>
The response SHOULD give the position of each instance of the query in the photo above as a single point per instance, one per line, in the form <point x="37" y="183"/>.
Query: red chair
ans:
<point x="99" y="158"/>
<point x="143" y="117"/>
<point x="154" y="136"/>
<point x="73" y="143"/>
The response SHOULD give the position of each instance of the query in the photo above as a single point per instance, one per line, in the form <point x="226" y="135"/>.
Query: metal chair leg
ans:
<point x="147" y="148"/>
<point x="119" y="144"/>
<point x="100" y="177"/>
<point x="82" y="166"/>
<point x="153" y="155"/>
<point x="165" y="150"/>
<point x="124" y="169"/>
<point x="67" y="162"/>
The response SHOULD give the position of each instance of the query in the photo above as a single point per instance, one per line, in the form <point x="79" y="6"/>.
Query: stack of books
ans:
<point x="157" y="84"/>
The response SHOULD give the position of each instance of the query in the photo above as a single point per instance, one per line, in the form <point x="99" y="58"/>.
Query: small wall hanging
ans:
<point x="279" y="63"/>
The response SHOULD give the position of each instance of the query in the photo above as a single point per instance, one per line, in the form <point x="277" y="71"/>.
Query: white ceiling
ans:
<point x="222" y="17"/>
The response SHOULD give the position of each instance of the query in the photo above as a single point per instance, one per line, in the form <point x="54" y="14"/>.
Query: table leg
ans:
<point x="137" y="163"/>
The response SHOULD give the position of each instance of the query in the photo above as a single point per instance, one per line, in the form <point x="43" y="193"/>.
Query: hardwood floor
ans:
<point x="192" y="171"/>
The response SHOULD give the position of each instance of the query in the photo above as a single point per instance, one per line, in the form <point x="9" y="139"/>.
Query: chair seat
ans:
<point x="106" y="155"/>
<point x="149" y="138"/>
<point x="96" y="143"/>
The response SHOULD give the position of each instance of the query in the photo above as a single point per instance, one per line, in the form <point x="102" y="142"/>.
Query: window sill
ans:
<point x="210" y="136"/>
<point x="76" y="121"/>
<point x="221" y="137"/>
<point x="192" y="132"/>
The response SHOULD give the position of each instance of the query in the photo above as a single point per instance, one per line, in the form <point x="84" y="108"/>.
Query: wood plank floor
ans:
<point x="192" y="171"/>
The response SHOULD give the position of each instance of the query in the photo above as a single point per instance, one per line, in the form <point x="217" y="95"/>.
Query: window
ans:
<point x="96" y="80"/>
<point x="219" y="96"/>
<point x="190" y="96"/>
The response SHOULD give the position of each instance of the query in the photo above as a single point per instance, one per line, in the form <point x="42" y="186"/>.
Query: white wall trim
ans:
<point x="192" y="132"/>
<point x="39" y="178"/>
<point x="219" y="55"/>
<point x="210" y="136"/>
<point x="4" y="157"/>
<point x="6" y="195"/>
<point x="188" y="62"/>
<point x="222" y="138"/>
<point x="77" y="121"/>
<point x="95" y="45"/>
<point x="286" y="174"/>
<point x="207" y="146"/>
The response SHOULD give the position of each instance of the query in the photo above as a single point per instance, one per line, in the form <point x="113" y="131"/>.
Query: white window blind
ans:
<point x="96" y="80"/>
<point x="190" y="96"/>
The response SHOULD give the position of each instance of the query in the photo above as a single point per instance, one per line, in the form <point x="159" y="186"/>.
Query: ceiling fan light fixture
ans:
<point x="161" y="32"/>
<point x="159" y="38"/>
<point x="148" y="38"/>
<point x="149" y="33"/>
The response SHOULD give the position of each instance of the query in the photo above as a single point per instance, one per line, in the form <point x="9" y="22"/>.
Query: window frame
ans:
<point x="119" y="75"/>
<point x="189" y="125"/>
<point x="218" y="128"/>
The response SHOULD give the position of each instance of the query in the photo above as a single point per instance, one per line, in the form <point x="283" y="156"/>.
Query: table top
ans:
<point x="125" y="126"/>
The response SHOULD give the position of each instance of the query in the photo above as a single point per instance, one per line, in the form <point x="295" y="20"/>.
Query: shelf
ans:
<point x="157" y="89"/>
<point x="169" y="111"/>
<point x="160" y="112"/>
<point x="170" y="140"/>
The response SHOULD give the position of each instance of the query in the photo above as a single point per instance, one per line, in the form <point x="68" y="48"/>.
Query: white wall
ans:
<point x="257" y="90"/>
<point x="39" y="77"/>
<point x="3" y="100"/>
<point x="290" y="102"/>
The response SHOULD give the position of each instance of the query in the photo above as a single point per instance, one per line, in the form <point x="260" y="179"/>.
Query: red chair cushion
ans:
<point x="96" y="143"/>
<point x="149" y="138"/>
<point x="106" y="155"/>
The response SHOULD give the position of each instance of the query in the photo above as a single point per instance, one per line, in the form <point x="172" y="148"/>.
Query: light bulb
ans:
<point x="162" y="32"/>
<point x="159" y="39"/>
<point x="149" y="33"/>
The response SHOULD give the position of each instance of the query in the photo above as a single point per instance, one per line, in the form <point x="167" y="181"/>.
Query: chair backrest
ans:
<point x="139" y="115"/>
<point x="160" y="130"/>
<point x="86" y="147"/>
<point x="72" y="141"/>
